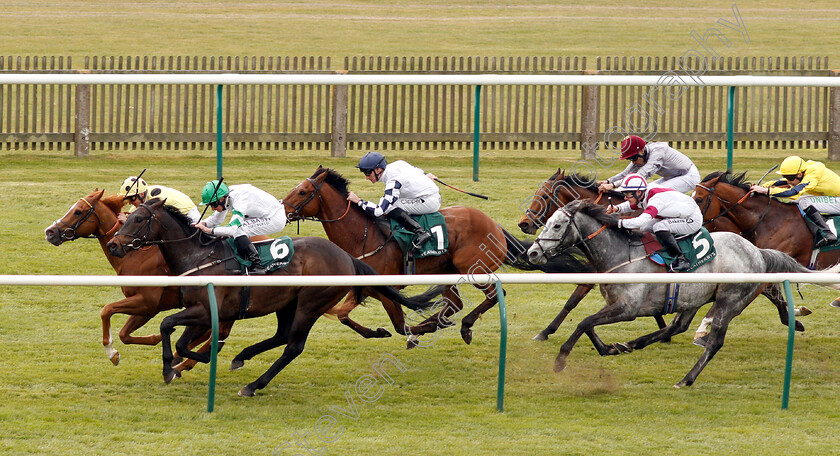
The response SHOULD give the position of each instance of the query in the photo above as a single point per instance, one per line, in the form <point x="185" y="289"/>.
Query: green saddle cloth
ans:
<point x="274" y="254"/>
<point x="833" y="222"/>
<point x="698" y="248"/>
<point x="435" y="224"/>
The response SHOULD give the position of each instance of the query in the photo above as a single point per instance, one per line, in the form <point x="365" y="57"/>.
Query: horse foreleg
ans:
<point x="577" y="296"/>
<point x="679" y="325"/>
<point x="611" y="313"/>
<point x="775" y="294"/>
<point x="192" y="333"/>
<point x="716" y="335"/>
<point x="132" y="305"/>
<point x="442" y="319"/>
<point x="192" y="316"/>
<point x="285" y="317"/>
<point x="224" y="332"/>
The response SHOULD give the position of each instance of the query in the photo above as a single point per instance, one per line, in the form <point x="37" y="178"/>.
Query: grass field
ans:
<point x="60" y="395"/>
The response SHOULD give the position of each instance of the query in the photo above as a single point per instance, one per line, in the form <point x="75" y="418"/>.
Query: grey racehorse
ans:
<point x="587" y="226"/>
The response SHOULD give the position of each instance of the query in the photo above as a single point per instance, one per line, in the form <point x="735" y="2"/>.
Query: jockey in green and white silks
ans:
<point x="136" y="191"/>
<point x="665" y="212"/>
<point x="254" y="212"/>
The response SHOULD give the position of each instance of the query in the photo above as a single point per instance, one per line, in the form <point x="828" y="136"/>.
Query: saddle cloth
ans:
<point x="435" y="224"/>
<point x="698" y="248"/>
<point x="274" y="253"/>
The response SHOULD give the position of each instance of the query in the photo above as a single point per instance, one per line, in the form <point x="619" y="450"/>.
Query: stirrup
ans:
<point x="680" y="264"/>
<point x="421" y="239"/>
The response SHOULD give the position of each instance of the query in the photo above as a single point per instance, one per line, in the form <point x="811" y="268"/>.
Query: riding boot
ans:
<point x="667" y="240"/>
<point x="826" y="235"/>
<point x="247" y="250"/>
<point x="402" y="217"/>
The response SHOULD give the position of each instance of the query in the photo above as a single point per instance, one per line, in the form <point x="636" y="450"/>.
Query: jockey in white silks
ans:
<point x="646" y="159"/>
<point x="665" y="212"/>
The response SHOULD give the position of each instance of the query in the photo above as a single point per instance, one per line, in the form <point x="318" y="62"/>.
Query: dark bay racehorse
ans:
<point x="561" y="189"/>
<point x="95" y="216"/>
<point x="611" y="250"/>
<point x="477" y="245"/>
<point x="764" y="221"/>
<point x="296" y="308"/>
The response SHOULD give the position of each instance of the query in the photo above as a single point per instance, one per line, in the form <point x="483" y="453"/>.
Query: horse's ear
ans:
<point x="97" y="194"/>
<point x="320" y="167"/>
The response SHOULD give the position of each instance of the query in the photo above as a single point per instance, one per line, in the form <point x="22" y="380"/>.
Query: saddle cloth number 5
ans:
<point x="701" y="245"/>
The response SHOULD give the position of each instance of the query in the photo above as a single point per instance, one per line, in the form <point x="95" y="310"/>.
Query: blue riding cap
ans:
<point x="372" y="160"/>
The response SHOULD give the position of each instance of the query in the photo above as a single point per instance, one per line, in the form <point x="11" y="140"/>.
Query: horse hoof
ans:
<point x="701" y="341"/>
<point x="560" y="363"/>
<point x="799" y="326"/>
<point x="623" y="348"/>
<point x="540" y="337"/>
<point x="246" y="392"/>
<point x="115" y="358"/>
<point x="382" y="333"/>
<point x="835" y="303"/>
<point x="467" y="336"/>
<point x="170" y="375"/>
<point x="802" y="311"/>
<point x="237" y="364"/>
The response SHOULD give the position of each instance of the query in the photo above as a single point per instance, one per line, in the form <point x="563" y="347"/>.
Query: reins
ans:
<point x="730" y="208"/>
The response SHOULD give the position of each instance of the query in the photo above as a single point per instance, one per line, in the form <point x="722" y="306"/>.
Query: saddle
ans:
<point x="434" y="223"/>
<point x="698" y="248"/>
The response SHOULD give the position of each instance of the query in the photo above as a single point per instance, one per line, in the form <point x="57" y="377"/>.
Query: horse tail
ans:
<point x="423" y="301"/>
<point x="571" y="260"/>
<point x="781" y="262"/>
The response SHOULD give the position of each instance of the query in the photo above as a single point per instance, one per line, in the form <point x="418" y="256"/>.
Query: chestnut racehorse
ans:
<point x="95" y="216"/>
<point x="477" y="245"/>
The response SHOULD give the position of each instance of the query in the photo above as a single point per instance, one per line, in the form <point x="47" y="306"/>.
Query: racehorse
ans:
<point x="187" y="250"/>
<point x="561" y="189"/>
<point x="95" y="216"/>
<point x="764" y="221"/>
<point x="587" y="225"/>
<point x="477" y="245"/>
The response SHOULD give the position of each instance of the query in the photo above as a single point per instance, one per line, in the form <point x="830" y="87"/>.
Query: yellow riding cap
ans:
<point x="133" y="187"/>
<point x="791" y="165"/>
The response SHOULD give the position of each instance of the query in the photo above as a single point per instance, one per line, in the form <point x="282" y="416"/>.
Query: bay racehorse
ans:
<point x="561" y="189"/>
<point x="726" y="203"/>
<point x="587" y="225"/>
<point x="96" y="216"/>
<point x="477" y="245"/>
<point x="187" y="250"/>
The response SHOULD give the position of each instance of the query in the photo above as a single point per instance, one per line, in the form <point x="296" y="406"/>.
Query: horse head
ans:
<point x="81" y="220"/>
<point x="141" y="228"/>
<point x="307" y="199"/>
<point x="717" y="195"/>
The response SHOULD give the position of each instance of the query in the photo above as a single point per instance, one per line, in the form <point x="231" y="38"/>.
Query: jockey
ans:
<point x="255" y="212"/>
<point x="678" y="171"/>
<point x="408" y="190"/>
<point x="665" y="212"/>
<point x="136" y="191"/>
<point x="815" y="187"/>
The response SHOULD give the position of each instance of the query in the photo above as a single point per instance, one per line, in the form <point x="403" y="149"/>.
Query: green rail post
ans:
<point x="500" y="394"/>
<point x="476" y="131"/>
<point x="791" y="333"/>
<point x="730" y="127"/>
<point x="219" y="173"/>
<point x="214" y="346"/>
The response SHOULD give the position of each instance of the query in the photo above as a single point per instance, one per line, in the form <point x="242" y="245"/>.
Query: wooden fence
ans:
<point x="104" y="117"/>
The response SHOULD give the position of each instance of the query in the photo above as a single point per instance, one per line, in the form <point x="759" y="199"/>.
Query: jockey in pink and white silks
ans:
<point x="677" y="170"/>
<point x="408" y="190"/>
<point x="665" y="212"/>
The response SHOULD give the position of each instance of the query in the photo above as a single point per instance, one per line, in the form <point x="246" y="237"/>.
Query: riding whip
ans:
<point x="765" y="175"/>
<point x="212" y="197"/>
<point x="135" y="181"/>
<point x="462" y="191"/>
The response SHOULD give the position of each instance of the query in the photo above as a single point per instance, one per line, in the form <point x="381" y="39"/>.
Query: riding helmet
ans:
<point x="372" y="160"/>
<point x="633" y="183"/>
<point x="791" y="165"/>
<point x="210" y="194"/>
<point x="133" y="186"/>
<point x="631" y="146"/>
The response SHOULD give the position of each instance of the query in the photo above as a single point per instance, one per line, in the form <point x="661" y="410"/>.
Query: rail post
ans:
<point x="500" y="391"/>
<point x="214" y="346"/>
<point x="791" y="335"/>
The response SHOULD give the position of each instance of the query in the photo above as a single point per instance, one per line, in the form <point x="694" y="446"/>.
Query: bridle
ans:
<point x="138" y="241"/>
<point x="558" y="248"/>
<point x="69" y="233"/>
<point x="295" y="214"/>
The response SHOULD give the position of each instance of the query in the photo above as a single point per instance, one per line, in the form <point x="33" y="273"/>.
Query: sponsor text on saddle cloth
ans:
<point x="274" y="253"/>
<point x="699" y="249"/>
<point x="435" y="224"/>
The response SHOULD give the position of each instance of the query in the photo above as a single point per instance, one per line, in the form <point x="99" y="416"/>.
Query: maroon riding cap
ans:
<point x="631" y="146"/>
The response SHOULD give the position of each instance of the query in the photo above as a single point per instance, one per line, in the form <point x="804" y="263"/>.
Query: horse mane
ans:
<point x="596" y="211"/>
<point x="183" y="221"/>
<point x="114" y="203"/>
<point x="586" y="183"/>
<point x="726" y="177"/>
<point x="334" y="179"/>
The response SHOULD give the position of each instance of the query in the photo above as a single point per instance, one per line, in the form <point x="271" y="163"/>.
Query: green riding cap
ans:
<point x="209" y="194"/>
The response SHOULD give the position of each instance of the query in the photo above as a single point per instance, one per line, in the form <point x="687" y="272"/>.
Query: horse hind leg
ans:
<point x="716" y="335"/>
<point x="490" y="300"/>
<point x="610" y="313"/>
<point x="342" y="312"/>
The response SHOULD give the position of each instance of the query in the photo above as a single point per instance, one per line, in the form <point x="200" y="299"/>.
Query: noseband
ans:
<point x="295" y="214"/>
